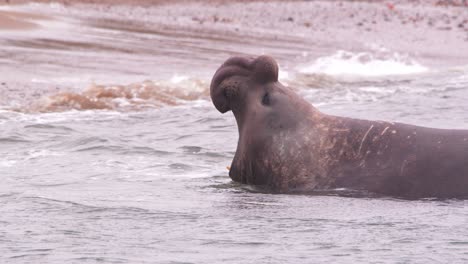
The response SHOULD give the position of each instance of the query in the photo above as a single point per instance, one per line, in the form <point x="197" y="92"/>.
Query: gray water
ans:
<point x="144" y="179"/>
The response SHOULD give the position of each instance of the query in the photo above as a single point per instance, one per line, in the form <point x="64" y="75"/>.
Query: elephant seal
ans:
<point x="289" y="146"/>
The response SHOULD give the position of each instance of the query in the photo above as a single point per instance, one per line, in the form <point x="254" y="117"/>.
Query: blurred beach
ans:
<point x="52" y="48"/>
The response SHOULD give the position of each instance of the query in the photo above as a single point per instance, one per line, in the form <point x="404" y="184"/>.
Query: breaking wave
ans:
<point x="364" y="64"/>
<point x="136" y="96"/>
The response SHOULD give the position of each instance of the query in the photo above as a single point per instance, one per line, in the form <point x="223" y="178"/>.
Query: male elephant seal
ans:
<point x="288" y="145"/>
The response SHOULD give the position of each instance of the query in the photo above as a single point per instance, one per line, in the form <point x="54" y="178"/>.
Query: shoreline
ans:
<point x="117" y="44"/>
<point x="453" y="3"/>
<point x="422" y="30"/>
<point x="14" y="20"/>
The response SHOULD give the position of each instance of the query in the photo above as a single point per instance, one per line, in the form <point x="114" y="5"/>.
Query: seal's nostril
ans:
<point x="230" y="91"/>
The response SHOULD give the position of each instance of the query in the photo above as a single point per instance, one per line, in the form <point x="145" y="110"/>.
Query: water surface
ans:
<point x="111" y="151"/>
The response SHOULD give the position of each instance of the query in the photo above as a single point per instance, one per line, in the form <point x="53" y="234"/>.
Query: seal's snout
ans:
<point x="263" y="69"/>
<point x="234" y="66"/>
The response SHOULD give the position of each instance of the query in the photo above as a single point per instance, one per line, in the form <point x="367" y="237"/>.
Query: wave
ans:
<point x="364" y="64"/>
<point x="136" y="96"/>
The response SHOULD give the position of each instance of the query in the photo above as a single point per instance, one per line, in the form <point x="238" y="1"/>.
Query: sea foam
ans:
<point x="364" y="64"/>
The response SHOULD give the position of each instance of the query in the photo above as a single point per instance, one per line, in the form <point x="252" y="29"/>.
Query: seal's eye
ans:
<point x="266" y="99"/>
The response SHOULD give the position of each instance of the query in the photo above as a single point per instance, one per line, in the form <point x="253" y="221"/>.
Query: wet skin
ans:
<point x="288" y="146"/>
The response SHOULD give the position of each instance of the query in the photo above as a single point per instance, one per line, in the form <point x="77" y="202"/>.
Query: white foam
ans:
<point x="39" y="153"/>
<point x="283" y="75"/>
<point x="62" y="80"/>
<point x="365" y="64"/>
<point x="7" y="163"/>
<point x="178" y="78"/>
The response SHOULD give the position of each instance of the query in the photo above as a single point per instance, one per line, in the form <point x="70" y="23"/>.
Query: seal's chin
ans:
<point x="246" y="171"/>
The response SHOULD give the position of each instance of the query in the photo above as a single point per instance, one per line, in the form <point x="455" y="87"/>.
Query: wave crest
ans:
<point x="364" y="64"/>
<point x="136" y="96"/>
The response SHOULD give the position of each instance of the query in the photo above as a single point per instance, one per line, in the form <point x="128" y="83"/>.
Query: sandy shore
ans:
<point x="151" y="2"/>
<point x="436" y="31"/>
<point x="143" y="39"/>
<point x="10" y="20"/>
<point x="107" y="2"/>
<point x="434" y="28"/>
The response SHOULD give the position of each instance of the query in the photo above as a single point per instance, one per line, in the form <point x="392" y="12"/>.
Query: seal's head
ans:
<point x="235" y="74"/>
<point x="267" y="114"/>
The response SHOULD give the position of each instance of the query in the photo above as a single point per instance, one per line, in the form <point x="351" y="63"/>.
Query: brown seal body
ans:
<point x="288" y="145"/>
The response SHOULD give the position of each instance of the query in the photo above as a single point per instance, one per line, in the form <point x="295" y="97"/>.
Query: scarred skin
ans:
<point x="287" y="145"/>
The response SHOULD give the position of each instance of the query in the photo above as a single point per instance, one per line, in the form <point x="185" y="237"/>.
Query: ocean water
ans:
<point x="111" y="151"/>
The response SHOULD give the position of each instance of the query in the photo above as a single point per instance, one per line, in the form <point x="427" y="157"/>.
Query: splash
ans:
<point x="136" y="96"/>
<point x="364" y="64"/>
